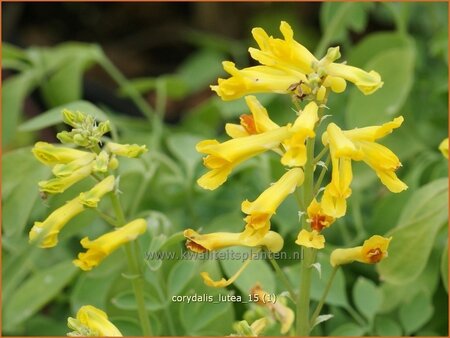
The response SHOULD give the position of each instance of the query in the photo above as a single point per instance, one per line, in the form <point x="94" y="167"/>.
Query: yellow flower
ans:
<point x="127" y="150"/>
<point x="51" y="227"/>
<point x="334" y="199"/>
<point x="367" y="83"/>
<point x="443" y="147"/>
<point x="215" y="241"/>
<point x="281" y="312"/>
<point x="317" y="218"/>
<point x="256" y="123"/>
<point x="303" y="128"/>
<point x="310" y="239"/>
<point x="101" y="247"/>
<point x="359" y="144"/>
<point x="50" y="155"/>
<point x="60" y="184"/>
<point x="223" y="157"/>
<point x="92" y="322"/>
<point x="261" y="210"/>
<point x="93" y="196"/>
<point x="201" y="243"/>
<point x="288" y="67"/>
<point x="65" y="170"/>
<point x="257" y="79"/>
<point x="372" y="251"/>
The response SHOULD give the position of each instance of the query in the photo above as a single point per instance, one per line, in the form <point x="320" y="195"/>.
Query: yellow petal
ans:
<point x="103" y="246"/>
<point x="51" y="227"/>
<point x="257" y="79"/>
<point x="261" y="118"/>
<point x="310" y="239"/>
<point x="374" y="249"/>
<point x="224" y="282"/>
<point x="367" y="82"/>
<point x="51" y="155"/>
<point x="374" y="133"/>
<point x="443" y="147"/>
<point x="97" y="322"/>
<point x="92" y="197"/>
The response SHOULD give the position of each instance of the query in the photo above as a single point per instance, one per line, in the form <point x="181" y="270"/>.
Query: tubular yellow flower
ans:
<point x="92" y="322"/>
<point x="54" y="223"/>
<point x="127" y="150"/>
<point x="201" y="243"/>
<point x="359" y="144"/>
<point x="257" y="79"/>
<point x="281" y="312"/>
<point x="65" y="170"/>
<point x="303" y="128"/>
<point x="317" y="218"/>
<point x="443" y="147"/>
<point x="101" y="247"/>
<point x="256" y="123"/>
<point x="287" y="66"/>
<point x="372" y="251"/>
<point x="261" y="210"/>
<point x="367" y="82"/>
<point x="223" y="157"/>
<point x="51" y="155"/>
<point x="60" y="184"/>
<point x="310" y="239"/>
<point x="93" y="196"/>
<point x="334" y="199"/>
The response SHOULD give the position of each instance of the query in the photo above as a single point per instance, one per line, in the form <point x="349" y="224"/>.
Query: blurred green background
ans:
<point x="171" y="53"/>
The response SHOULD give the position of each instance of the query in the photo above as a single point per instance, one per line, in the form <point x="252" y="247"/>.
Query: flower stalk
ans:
<point x="135" y="271"/>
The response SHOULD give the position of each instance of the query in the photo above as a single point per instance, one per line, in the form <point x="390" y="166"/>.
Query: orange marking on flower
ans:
<point x="375" y="255"/>
<point x="195" y="247"/>
<point x="248" y="123"/>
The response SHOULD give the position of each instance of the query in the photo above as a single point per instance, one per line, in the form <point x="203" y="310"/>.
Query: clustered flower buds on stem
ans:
<point x="287" y="67"/>
<point x="70" y="166"/>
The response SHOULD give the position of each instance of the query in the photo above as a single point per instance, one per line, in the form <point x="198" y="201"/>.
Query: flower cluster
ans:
<point x="70" y="166"/>
<point x="287" y="67"/>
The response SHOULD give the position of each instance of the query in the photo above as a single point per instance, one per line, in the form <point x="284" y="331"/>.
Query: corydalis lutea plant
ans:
<point x="97" y="159"/>
<point x="287" y="67"/>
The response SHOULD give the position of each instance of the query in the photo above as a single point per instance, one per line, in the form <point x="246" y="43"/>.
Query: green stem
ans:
<point x="302" y="324"/>
<point x="321" y="175"/>
<point x="107" y="218"/>
<point x="355" y="315"/>
<point x="123" y="82"/>
<point x="324" y="297"/>
<point x="135" y="270"/>
<point x="282" y="276"/>
<point x="331" y="28"/>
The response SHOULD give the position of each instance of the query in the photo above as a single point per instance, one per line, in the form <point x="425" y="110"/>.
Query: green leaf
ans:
<point x="37" y="291"/>
<point x="385" y="326"/>
<point x="126" y="300"/>
<point x="348" y="329"/>
<point x="66" y="84"/>
<point x="180" y="276"/>
<point x="54" y="116"/>
<point x="258" y="271"/>
<point x="206" y="318"/>
<point x="20" y="173"/>
<point x="201" y="69"/>
<point x="367" y="297"/>
<point x="396" y="67"/>
<point x="15" y="90"/>
<point x="415" y="314"/>
<point x="444" y="268"/>
<point x="337" y="294"/>
<point x="337" y="18"/>
<point x="415" y="233"/>
<point x="92" y="291"/>
<point x="182" y="146"/>
<point x="361" y="54"/>
<point x="128" y="326"/>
